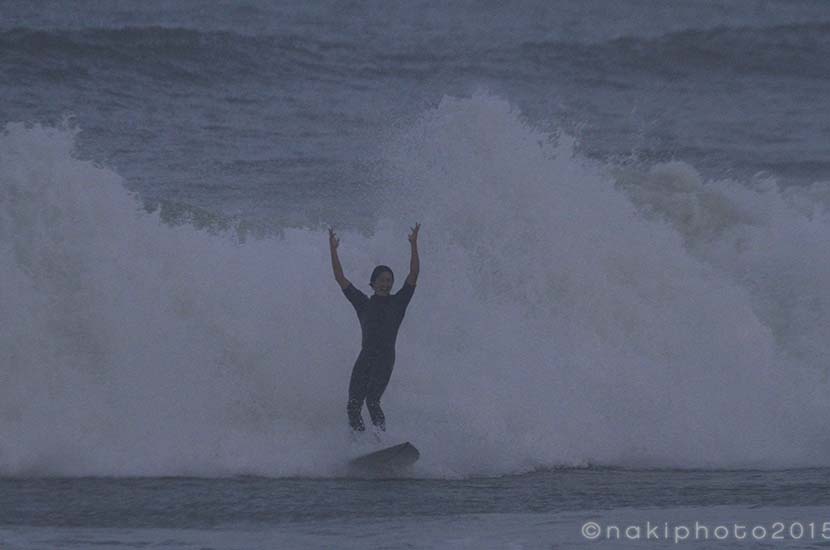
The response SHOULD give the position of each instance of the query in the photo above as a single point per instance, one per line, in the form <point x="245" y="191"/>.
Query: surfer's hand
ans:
<point x="333" y="240"/>
<point x="413" y="236"/>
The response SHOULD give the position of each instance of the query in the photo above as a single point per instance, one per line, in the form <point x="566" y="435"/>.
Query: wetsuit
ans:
<point x="380" y="317"/>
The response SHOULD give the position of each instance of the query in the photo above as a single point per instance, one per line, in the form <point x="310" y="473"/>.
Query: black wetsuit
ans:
<point x="380" y="317"/>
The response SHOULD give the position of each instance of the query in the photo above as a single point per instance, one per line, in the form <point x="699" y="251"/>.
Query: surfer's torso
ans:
<point x="380" y="316"/>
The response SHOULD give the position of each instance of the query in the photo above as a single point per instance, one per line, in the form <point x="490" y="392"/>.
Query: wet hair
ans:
<point x="377" y="271"/>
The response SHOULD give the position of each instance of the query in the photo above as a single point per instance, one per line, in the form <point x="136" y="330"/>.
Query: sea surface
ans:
<point x="622" y="315"/>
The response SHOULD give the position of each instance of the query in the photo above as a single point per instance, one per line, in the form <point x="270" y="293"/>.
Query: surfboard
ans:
<point x="390" y="458"/>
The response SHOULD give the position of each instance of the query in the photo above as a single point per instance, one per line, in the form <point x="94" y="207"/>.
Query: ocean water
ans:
<point x="624" y="303"/>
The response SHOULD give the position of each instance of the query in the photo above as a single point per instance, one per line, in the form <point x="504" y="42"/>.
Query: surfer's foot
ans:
<point x="377" y="433"/>
<point x="357" y="436"/>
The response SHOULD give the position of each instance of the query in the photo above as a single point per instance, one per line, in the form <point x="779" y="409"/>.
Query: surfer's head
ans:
<point x="381" y="280"/>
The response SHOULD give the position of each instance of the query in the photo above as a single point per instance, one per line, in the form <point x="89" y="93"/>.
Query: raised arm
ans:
<point x="414" y="262"/>
<point x="335" y="261"/>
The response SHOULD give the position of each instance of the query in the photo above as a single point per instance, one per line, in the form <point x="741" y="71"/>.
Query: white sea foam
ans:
<point x="567" y="313"/>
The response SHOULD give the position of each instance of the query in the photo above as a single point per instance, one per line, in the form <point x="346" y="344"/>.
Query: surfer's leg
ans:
<point x="380" y="374"/>
<point x="355" y="419"/>
<point x="358" y="385"/>
<point x="376" y="413"/>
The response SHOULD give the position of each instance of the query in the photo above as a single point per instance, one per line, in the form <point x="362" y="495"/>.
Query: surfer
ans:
<point x="380" y="317"/>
